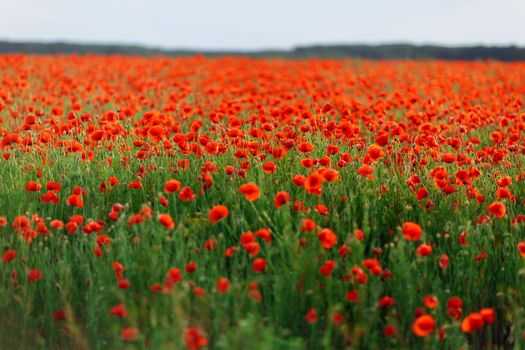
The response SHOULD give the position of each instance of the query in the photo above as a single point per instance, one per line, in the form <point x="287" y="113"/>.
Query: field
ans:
<point x="235" y="203"/>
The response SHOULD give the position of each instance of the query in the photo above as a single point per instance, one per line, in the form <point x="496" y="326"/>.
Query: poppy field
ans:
<point x="239" y="203"/>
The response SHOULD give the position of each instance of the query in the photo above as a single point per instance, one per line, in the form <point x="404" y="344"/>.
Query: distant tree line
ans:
<point x="385" y="51"/>
<point x="408" y="51"/>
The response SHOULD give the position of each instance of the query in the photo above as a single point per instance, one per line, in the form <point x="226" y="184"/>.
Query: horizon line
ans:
<point x="260" y="49"/>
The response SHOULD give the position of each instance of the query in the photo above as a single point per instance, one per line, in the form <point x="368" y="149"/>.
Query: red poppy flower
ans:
<point x="130" y="334"/>
<point x="311" y="316"/>
<point x="186" y="194"/>
<point x="8" y="256"/>
<point x="222" y="285"/>
<point x="259" y="265"/>
<point x="250" y="191"/>
<point x="119" y="310"/>
<point x="412" y="231"/>
<point x="34" y="275"/>
<point x="171" y="186"/>
<point x="424" y="325"/>
<point x="167" y="221"/>
<point x="497" y="209"/>
<point x="217" y="213"/>
<point x="195" y="338"/>
<point x="473" y="322"/>
<point x="281" y="198"/>
<point x="327" y="238"/>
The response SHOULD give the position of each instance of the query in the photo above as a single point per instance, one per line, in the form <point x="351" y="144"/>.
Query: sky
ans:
<point x="262" y="24"/>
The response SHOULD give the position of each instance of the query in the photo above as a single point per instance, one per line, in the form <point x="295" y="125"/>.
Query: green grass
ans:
<point x="290" y="286"/>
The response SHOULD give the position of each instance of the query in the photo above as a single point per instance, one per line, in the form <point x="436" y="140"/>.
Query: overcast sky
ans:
<point x="255" y="24"/>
